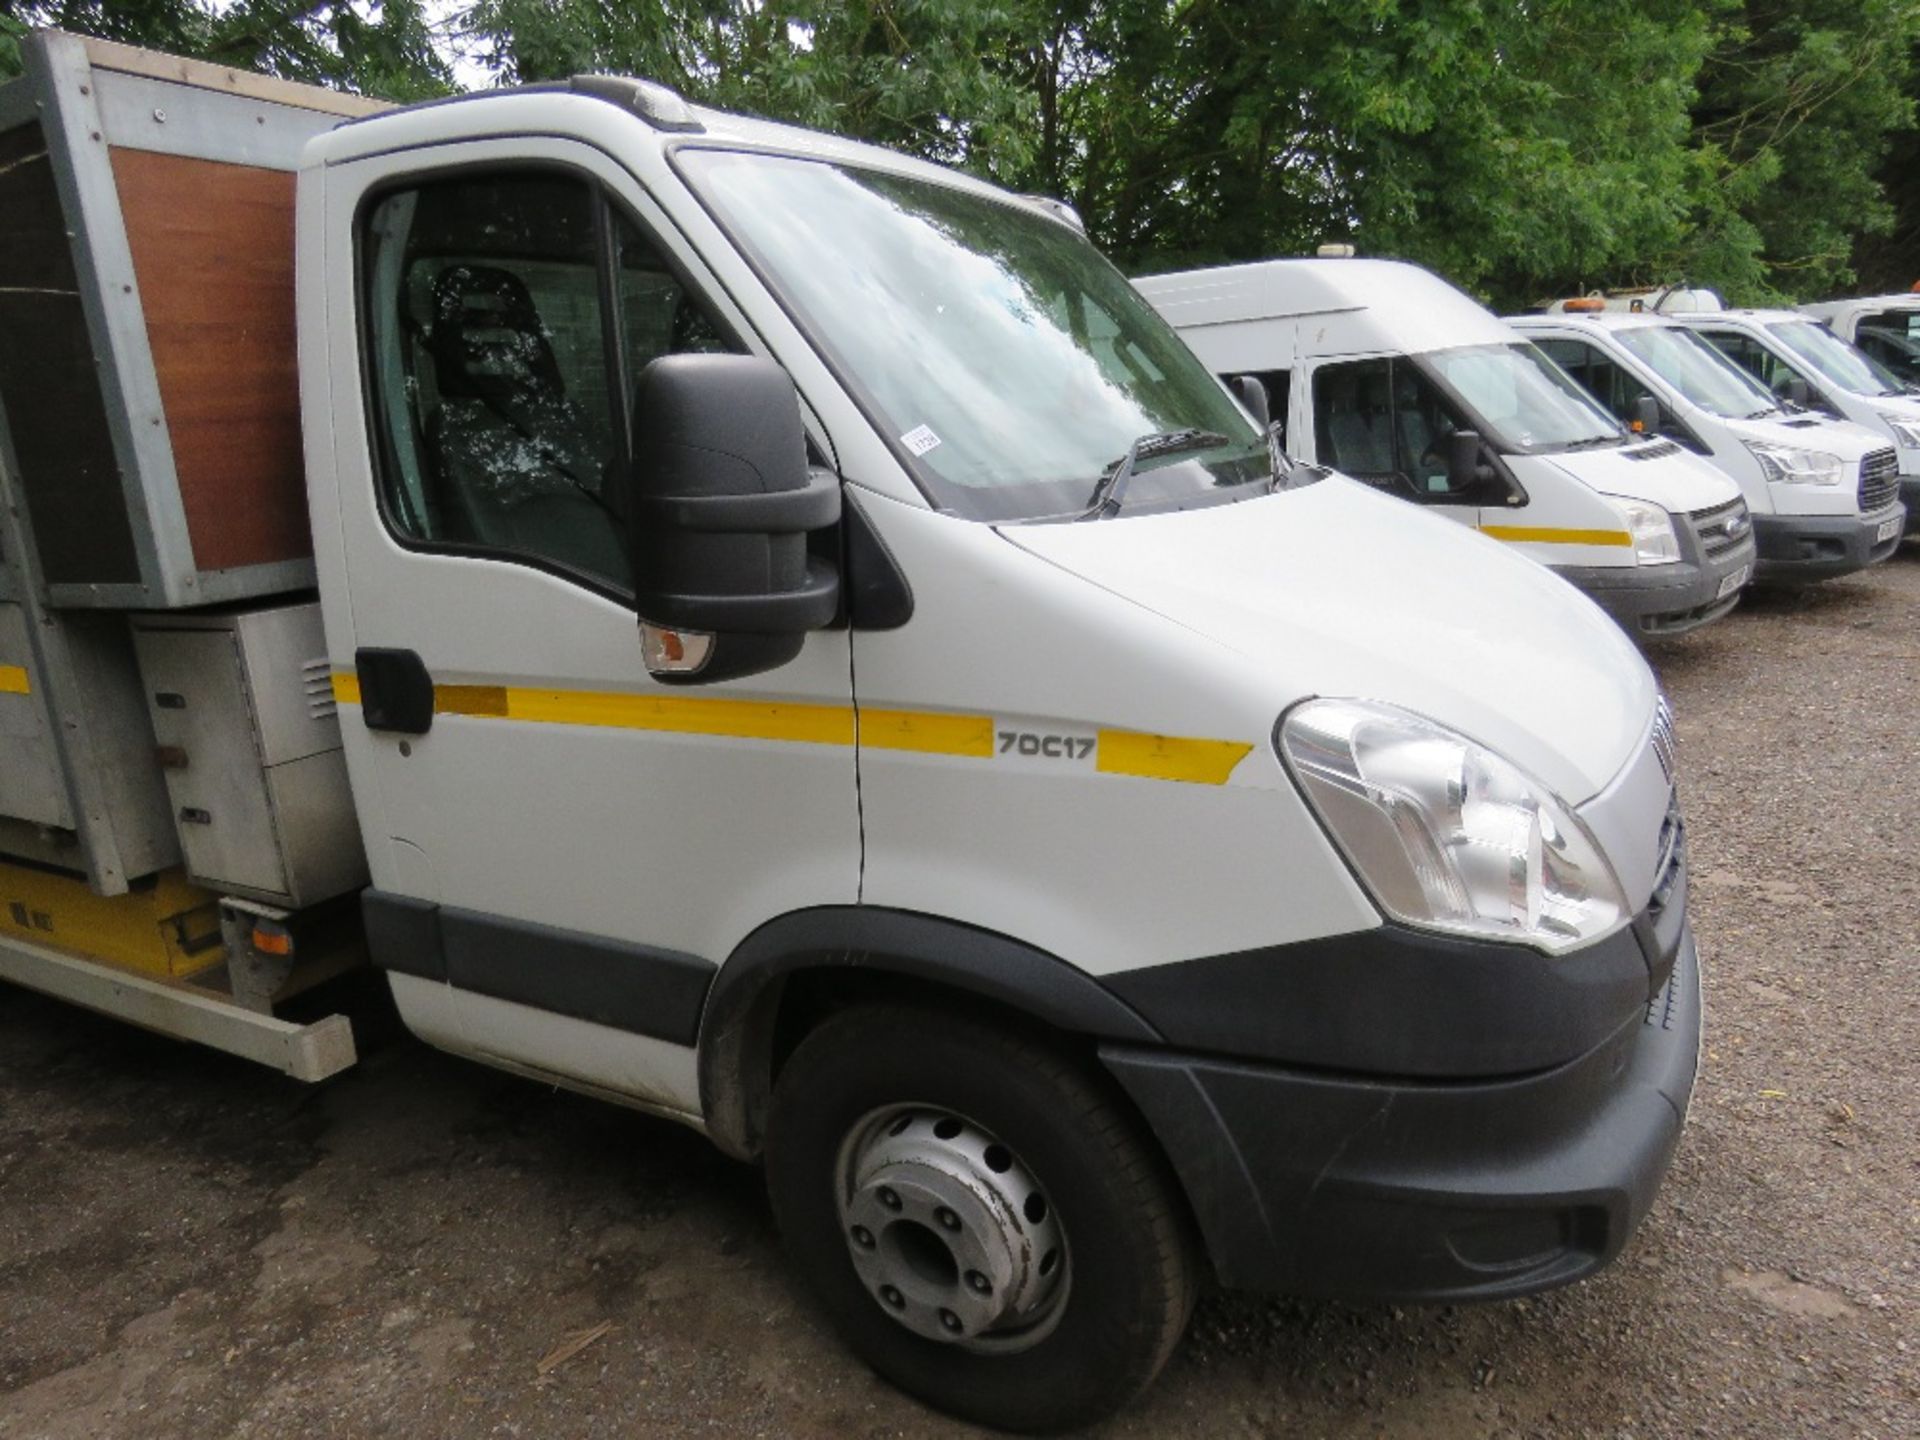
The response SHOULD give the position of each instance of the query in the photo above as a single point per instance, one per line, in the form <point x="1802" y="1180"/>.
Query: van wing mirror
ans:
<point x="1464" y="470"/>
<point x="1796" y="389"/>
<point x="1251" y="392"/>
<point x="721" y="502"/>
<point x="1646" y="416"/>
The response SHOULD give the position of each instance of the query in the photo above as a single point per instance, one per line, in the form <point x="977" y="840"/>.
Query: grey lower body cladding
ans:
<point x="1319" y="1184"/>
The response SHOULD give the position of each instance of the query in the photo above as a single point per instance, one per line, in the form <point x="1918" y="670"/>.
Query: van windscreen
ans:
<point x="1519" y="398"/>
<point x="1833" y="358"/>
<point x="1011" y="365"/>
<point x="1698" y="371"/>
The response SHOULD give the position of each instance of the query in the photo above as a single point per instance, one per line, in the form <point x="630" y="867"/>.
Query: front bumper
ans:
<point x="1319" y="1183"/>
<point x="1910" y="497"/>
<point x="1668" y="599"/>
<point x="1798" y="548"/>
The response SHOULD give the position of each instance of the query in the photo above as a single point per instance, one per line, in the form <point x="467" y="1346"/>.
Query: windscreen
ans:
<point x="1010" y="362"/>
<point x="1698" y="371"/>
<point x="1835" y="359"/>
<point x="1521" y="399"/>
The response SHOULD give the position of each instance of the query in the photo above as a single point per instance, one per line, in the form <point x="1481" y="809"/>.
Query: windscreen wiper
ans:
<point x="1111" y="488"/>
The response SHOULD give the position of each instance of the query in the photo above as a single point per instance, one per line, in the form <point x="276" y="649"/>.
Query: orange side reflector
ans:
<point x="272" y="942"/>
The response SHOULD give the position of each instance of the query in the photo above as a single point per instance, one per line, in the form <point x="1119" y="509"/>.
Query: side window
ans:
<point x="1603" y="379"/>
<point x="1353" y="418"/>
<point x="1383" y="420"/>
<point x="501" y="377"/>
<point x="1753" y="356"/>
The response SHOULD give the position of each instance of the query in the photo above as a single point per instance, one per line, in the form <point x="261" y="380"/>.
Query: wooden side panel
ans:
<point x="213" y="253"/>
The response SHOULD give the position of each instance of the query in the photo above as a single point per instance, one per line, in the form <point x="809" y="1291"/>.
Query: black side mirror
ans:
<point x="1646" y="416"/>
<point x="1464" y="470"/>
<point x="1797" y="390"/>
<point x="722" y="500"/>
<point x="1251" y="392"/>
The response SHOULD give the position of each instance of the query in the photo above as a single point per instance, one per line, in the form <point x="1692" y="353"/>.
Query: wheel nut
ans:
<point x="887" y="1198"/>
<point x="893" y="1297"/>
<point x="979" y="1283"/>
<point x="948" y="1220"/>
<point x="863" y="1237"/>
<point x="951" y="1321"/>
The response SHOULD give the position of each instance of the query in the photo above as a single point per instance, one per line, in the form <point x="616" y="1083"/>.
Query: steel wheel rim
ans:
<point x="949" y="1232"/>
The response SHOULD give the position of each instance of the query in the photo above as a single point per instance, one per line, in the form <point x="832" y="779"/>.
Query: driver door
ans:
<point x="592" y="842"/>
<point x="1383" y="422"/>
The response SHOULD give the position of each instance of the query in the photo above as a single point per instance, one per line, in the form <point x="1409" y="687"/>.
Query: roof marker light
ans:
<point x="653" y="102"/>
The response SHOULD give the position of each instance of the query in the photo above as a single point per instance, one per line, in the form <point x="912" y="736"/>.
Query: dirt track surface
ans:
<point x="192" y="1248"/>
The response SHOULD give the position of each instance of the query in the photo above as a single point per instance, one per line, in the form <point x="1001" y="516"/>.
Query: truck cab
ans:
<point x="1801" y="360"/>
<point x="1822" y="493"/>
<point x="1383" y="371"/>
<point x="812" y="655"/>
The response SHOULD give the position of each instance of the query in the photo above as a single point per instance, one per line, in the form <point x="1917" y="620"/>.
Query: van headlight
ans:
<point x="1654" y="542"/>
<point x="1905" y="432"/>
<point x="1446" y="834"/>
<point x="1791" y="466"/>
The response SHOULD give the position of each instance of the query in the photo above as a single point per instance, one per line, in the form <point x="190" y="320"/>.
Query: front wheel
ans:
<point x="981" y="1221"/>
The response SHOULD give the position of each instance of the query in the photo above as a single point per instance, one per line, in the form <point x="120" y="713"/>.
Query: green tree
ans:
<point x="386" y="48"/>
<point x="1799" y="100"/>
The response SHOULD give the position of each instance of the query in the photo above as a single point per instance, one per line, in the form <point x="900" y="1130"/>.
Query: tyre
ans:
<point x="982" y="1223"/>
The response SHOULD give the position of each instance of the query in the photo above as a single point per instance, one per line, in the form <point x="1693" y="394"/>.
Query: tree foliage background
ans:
<point x="1524" y="148"/>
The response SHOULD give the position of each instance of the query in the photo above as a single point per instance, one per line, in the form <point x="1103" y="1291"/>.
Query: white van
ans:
<point x="1383" y="371"/>
<point x="815" y="657"/>
<point x="1801" y="360"/>
<point x="1823" y="493"/>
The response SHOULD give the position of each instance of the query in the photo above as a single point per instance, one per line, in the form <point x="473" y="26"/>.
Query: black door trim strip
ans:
<point x="637" y="988"/>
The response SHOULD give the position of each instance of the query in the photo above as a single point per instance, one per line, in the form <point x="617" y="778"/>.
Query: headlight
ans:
<point x="1654" y="542"/>
<point x="1444" y="833"/>
<point x="1905" y="432"/>
<point x="1796" y="467"/>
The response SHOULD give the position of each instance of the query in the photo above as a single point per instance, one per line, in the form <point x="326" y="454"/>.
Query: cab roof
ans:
<point x="1383" y="305"/>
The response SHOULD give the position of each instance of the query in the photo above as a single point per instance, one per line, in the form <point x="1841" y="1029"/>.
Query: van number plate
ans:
<point x="1733" y="582"/>
<point x="1888" y="529"/>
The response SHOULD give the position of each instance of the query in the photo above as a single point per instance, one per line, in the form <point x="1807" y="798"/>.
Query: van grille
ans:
<point x="1879" y="479"/>
<point x="1723" y="528"/>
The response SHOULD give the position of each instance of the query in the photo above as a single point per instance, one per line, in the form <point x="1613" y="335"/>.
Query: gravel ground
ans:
<point x="191" y="1248"/>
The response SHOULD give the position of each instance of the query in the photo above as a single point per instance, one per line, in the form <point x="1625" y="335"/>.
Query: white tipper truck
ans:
<point x="780" y="635"/>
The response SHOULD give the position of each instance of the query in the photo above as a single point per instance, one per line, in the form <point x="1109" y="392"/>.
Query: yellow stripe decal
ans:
<point x="1551" y="535"/>
<point x="926" y="732"/>
<point x="13" y="680"/>
<point x="683" y="715"/>
<point x="1168" y="757"/>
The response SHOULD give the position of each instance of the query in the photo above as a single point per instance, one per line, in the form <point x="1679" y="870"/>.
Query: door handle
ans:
<point x="396" y="692"/>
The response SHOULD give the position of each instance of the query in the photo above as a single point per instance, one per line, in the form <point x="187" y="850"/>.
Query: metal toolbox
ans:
<point x="244" y="723"/>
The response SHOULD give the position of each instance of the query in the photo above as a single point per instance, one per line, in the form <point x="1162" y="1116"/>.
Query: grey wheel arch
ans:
<point x="737" y="1023"/>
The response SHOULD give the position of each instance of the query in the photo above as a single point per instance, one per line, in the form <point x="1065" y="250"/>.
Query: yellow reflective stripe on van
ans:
<point x="13" y="680"/>
<point x="1553" y="535"/>
<point x="926" y="732"/>
<point x="1168" y="757"/>
<point x="679" y="714"/>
